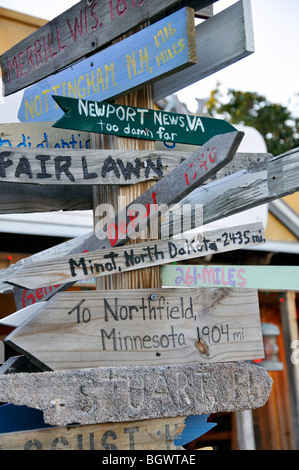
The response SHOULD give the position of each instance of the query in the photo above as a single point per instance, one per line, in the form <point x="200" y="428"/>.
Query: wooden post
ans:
<point x="148" y="277"/>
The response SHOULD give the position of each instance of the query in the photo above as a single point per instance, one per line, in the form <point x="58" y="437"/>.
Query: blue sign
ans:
<point x="152" y="53"/>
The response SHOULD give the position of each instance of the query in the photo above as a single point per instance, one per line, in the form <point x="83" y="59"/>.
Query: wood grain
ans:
<point x="269" y="180"/>
<point x="80" y="330"/>
<point x="133" y="62"/>
<point x="27" y="198"/>
<point x="72" y="268"/>
<point x="81" y="30"/>
<point x="141" y="435"/>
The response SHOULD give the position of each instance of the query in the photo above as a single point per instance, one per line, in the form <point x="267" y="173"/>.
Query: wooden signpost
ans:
<point x="152" y="53"/>
<point x="81" y="167"/>
<point x="159" y="434"/>
<point x="228" y="35"/>
<point x="79" y="31"/>
<point x="38" y="198"/>
<point x="155" y="201"/>
<point x="134" y="352"/>
<point x="86" y="167"/>
<point x="60" y="273"/>
<point x="153" y="327"/>
<point x="139" y="123"/>
<point x="268" y="180"/>
<point x="277" y="278"/>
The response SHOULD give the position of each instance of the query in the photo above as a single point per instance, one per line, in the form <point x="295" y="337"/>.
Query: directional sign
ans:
<point x="41" y="135"/>
<point x="150" y="205"/>
<point x="139" y="123"/>
<point x="158" y="434"/>
<point x="24" y="198"/>
<point x="278" y="278"/>
<point x="244" y="189"/>
<point x="152" y="327"/>
<point x="76" y="33"/>
<point x="154" y="52"/>
<point x="85" y="167"/>
<point x="72" y="268"/>
<point x="233" y="43"/>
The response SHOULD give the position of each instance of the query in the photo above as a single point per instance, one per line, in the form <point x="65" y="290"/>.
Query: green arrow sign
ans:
<point x="139" y="123"/>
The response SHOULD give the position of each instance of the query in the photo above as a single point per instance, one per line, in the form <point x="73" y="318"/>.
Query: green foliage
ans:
<point x="275" y="122"/>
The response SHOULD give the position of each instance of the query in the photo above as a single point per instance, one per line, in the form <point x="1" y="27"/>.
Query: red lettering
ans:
<point x="38" y="48"/>
<point x="21" y="64"/>
<point x="111" y="10"/>
<point x="94" y="15"/>
<point x="123" y="227"/>
<point x="210" y="155"/>
<point x="13" y="65"/>
<point x="61" y="48"/>
<point x="147" y="211"/>
<point x="132" y="217"/>
<point x="30" y="297"/>
<point x="243" y="283"/>
<point x="154" y="201"/>
<point x="39" y="293"/>
<point x="121" y="10"/>
<point x="45" y="48"/>
<point x="78" y="27"/>
<point x="52" y="54"/>
<point x="29" y="57"/>
<point x="113" y="240"/>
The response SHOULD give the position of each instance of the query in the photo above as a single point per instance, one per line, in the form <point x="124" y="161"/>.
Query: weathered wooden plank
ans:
<point x="277" y="278"/>
<point x="157" y="199"/>
<point x="269" y="180"/>
<point x="87" y="167"/>
<point x="137" y="122"/>
<point x="41" y="135"/>
<point x="80" y="31"/>
<point x="78" y="330"/>
<point x="16" y="198"/>
<point x="157" y="434"/>
<point x="139" y="59"/>
<point x="72" y="268"/>
<point x="26" y="298"/>
<point x="118" y="394"/>
<point x="220" y="41"/>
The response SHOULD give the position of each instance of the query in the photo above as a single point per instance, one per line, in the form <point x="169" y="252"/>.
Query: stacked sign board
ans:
<point x="150" y="337"/>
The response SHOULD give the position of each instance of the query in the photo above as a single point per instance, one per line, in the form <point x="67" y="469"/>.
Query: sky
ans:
<point x="272" y="70"/>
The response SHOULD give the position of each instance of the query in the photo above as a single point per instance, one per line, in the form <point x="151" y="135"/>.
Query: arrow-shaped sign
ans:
<point x="187" y="176"/>
<point x="278" y="278"/>
<point x="152" y="327"/>
<point x="72" y="268"/>
<point x="78" y="32"/>
<point x="139" y="59"/>
<point x="138" y="123"/>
